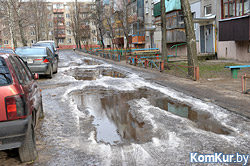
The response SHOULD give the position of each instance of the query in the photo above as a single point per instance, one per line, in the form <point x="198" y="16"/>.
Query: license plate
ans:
<point x="29" y="61"/>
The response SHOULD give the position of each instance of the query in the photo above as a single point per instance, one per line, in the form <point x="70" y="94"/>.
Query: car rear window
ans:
<point x="45" y="45"/>
<point x="30" y="51"/>
<point x="5" y="77"/>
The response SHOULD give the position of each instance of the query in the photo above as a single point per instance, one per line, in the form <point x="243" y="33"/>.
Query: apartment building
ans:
<point x="175" y="28"/>
<point x="58" y="26"/>
<point x="234" y="30"/>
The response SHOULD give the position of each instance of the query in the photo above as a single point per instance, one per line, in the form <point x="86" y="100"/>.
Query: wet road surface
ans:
<point x="101" y="114"/>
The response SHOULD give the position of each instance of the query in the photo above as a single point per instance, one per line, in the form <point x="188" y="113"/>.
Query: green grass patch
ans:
<point x="207" y="69"/>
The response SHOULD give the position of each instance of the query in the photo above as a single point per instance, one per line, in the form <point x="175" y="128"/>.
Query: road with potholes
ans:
<point x="103" y="114"/>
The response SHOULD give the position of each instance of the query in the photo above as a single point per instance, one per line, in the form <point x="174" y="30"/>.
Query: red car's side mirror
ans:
<point x="36" y="76"/>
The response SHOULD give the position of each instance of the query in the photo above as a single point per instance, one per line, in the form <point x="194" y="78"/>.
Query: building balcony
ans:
<point x="59" y="27"/>
<point x="138" y="39"/>
<point x="60" y="36"/>
<point x="176" y="35"/>
<point x="234" y="29"/>
<point x="59" y="19"/>
<point x="58" y="11"/>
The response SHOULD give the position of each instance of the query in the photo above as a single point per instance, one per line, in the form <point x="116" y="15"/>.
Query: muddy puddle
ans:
<point x="114" y="123"/>
<point x="93" y="74"/>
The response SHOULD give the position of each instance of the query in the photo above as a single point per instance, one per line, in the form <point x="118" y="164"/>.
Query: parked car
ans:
<point x="49" y="45"/>
<point x="49" y="41"/>
<point x="20" y="107"/>
<point x="39" y="59"/>
<point x="7" y="50"/>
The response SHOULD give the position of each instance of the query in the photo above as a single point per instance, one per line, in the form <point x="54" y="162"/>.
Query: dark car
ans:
<point x="51" y="42"/>
<point x="7" y="50"/>
<point x="49" y="45"/>
<point x="20" y="107"/>
<point x="40" y="60"/>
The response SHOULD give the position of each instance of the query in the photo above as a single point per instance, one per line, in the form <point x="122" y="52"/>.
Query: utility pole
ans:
<point x="164" y="34"/>
<point x="190" y="37"/>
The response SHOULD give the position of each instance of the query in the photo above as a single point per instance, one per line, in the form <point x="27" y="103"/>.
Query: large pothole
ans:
<point x="93" y="74"/>
<point x="115" y="124"/>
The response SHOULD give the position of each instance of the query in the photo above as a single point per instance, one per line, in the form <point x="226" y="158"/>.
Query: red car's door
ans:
<point x="26" y="85"/>
<point x="35" y="96"/>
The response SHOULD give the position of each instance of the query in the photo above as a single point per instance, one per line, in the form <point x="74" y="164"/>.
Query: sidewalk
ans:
<point x="225" y="92"/>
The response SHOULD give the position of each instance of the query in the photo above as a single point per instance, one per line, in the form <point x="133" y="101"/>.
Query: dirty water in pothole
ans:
<point x="116" y="125"/>
<point x="93" y="74"/>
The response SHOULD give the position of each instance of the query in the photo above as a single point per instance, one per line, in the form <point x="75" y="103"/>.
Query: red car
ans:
<point x="20" y="107"/>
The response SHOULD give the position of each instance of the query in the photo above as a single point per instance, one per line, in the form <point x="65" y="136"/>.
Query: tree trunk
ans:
<point x="80" y="47"/>
<point x="190" y="37"/>
<point x="164" y="34"/>
<point x="24" y="42"/>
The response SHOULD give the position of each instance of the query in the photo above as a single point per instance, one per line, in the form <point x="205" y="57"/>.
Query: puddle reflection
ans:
<point x="114" y="124"/>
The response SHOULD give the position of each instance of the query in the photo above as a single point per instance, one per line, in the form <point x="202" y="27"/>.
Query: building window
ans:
<point x="67" y="16"/>
<point x="69" y="40"/>
<point x="68" y="24"/>
<point x="6" y="42"/>
<point x="69" y="32"/>
<point x="50" y="32"/>
<point x="67" y="7"/>
<point x="50" y="24"/>
<point x="58" y="6"/>
<point x="49" y="7"/>
<point x="94" y="39"/>
<point x="61" y="41"/>
<point x="147" y="7"/>
<point x="208" y="10"/>
<point x="232" y="8"/>
<point x="33" y="33"/>
<point x="93" y="31"/>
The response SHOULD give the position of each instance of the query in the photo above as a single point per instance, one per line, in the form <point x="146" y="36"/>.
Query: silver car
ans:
<point x="40" y="60"/>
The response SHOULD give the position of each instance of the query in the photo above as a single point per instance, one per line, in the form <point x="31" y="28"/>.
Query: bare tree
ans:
<point x="14" y="18"/>
<point x="122" y="15"/>
<point x="38" y="14"/>
<point x="98" y="18"/>
<point x="163" y="30"/>
<point x="190" y="36"/>
<point x="19" y="15"/>
<point x="75" y="23"/>
<point x="110" y="30"/>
